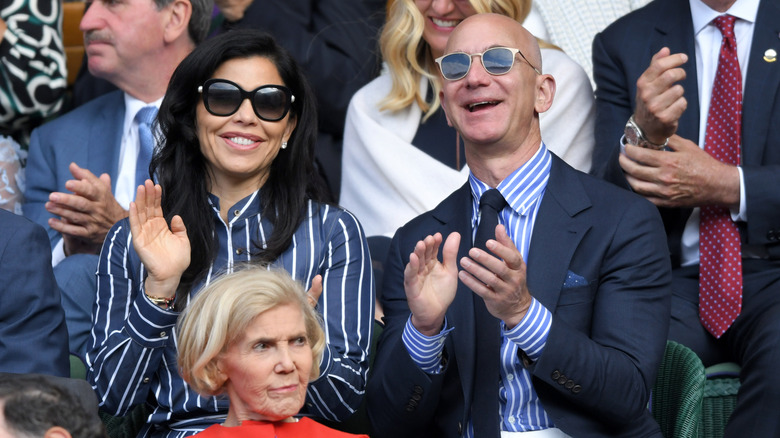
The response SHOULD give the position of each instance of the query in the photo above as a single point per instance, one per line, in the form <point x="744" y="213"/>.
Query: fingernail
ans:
<point x="54" y="197"/>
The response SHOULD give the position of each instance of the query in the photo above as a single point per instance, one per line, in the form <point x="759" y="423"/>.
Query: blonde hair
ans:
<point x="220" y="314"/>
<point x="409" y="57"/>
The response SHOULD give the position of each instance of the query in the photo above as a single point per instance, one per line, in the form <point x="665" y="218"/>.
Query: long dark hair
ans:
<point x="181" y="168"/>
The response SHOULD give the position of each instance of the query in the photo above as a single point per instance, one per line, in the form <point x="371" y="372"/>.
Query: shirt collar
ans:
<point x="250" y="205"/>
<point x="522" y="187"/>
<point x="703" y="15"/>
<point x="133" y="105"/>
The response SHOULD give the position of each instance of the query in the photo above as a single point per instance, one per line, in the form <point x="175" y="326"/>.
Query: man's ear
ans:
<point x="57" y="432"/>
<point x="441" y="98"/>
<point x="545" y="93"/>
<point x="178" y="20"/>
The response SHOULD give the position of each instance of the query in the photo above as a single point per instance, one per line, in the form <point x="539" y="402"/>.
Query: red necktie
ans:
<point x="720" y="270"/>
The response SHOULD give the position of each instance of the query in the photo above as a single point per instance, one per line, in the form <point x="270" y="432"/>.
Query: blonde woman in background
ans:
<point x="400" y="156"/>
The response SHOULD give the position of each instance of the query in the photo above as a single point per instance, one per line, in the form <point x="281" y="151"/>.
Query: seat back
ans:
<point x="678" y="391"/>
<point x="72" y="37"/>
<point x="720" y="398"/>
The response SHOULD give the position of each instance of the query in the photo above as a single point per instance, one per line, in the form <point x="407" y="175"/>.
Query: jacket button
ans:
<point x="416" y="397"/>
<point x="562" y="380"/>
<point x="556" y="374"/>
<point x="771" y="235"/>
<point x="409" y="408"/>
<point x="417" y="389"/>
<point x="569" y="384"/>
<point x="576" y="389"/>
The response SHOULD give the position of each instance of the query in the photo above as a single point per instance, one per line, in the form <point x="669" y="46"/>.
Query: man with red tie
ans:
<point x="693" y="88"/>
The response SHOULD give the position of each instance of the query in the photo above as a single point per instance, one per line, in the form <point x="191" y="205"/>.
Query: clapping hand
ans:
<point x="430" y="285"/>
<point x="499" y="278"/>
<point x="164" y="251"/>
<point x="87" y="213"/>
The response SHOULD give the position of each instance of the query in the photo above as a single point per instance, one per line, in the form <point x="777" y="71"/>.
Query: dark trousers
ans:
<point x="753" y="341"/>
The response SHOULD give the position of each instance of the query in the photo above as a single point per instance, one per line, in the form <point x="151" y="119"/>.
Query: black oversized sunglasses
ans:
<point x="497" y="61"/>
<point x="223" y="98"/>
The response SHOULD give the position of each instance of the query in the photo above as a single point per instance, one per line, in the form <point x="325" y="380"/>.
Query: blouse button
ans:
<point x="239" y="251"/>
<point x="236" y="212"/>
<point x="146" y="380"/>
<point x="162" y="334"/>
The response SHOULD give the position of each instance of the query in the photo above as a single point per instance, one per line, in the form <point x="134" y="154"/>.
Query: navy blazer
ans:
<point x="607" y="336"/>
<point x="90" y="136"/>
<point x="623" y="51"/>
<point x="33" y="335"/>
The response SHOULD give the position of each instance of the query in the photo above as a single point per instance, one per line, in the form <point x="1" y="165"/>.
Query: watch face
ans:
<point x="632" y="134"/>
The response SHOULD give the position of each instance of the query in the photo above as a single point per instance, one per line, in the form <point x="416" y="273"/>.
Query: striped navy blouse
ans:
<point x="132" y="357"/>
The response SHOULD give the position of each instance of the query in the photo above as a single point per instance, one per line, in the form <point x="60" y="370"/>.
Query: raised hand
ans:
<point x="499" y="278"/>
<point x="659" y="97"/>
<point x="86" y="214"/>
<point x="165" y="252"/>
<point x="430" y="285"/>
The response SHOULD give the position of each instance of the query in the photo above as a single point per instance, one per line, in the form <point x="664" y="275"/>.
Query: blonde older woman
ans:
<point x="400" y="158"/>
<point x="253" y="336"/>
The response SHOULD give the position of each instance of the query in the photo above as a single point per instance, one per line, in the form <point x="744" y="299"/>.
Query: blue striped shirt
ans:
<point x="132" y="357"/>
<point x="520" y="408"/>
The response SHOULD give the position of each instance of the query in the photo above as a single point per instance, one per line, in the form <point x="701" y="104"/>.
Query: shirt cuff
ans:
<point x="426" y="351"/>
<point x="149" y="324"/>
<point x="58" y="253"/>
<point x="740" y="213"/>
<point x="530" y="334"/>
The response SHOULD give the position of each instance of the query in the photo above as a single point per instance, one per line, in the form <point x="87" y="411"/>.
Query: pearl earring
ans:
<point x="284" y="145"/>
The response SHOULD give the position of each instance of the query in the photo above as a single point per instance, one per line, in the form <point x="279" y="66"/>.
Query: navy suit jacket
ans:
<point x="623" y="51"/>
<point x="33" y="335"/>
<point x="607" y="337"/>
<point x="90" y="136"/>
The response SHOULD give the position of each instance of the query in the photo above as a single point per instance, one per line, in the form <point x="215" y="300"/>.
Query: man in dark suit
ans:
<point x="33" y="335"/>
<point x="661" y="64"/>
<point x="82" y="167"/>
<point x="560" y="324"/>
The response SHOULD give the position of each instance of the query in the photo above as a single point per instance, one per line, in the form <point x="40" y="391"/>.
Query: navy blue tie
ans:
<point x="488" y="331"/>
<point x="145" y="116"/>
<point x="490" y="205"/>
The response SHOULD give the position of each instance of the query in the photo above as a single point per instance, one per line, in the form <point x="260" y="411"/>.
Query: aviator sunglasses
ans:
<point x="223" y="98"/>
<point x="497" y="61"/>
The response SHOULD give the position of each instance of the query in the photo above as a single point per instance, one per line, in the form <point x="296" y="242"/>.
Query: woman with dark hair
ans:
<point x="236" y="185"/>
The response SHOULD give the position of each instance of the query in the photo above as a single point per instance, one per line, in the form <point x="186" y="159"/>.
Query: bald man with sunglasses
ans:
<point x="555" y="326"/>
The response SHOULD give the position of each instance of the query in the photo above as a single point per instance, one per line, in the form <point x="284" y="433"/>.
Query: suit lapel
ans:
<point x="557" y="233"/>
<point x="761" y="84"/>
<point x="456" y="216"/>
<point x="105" y="139"/>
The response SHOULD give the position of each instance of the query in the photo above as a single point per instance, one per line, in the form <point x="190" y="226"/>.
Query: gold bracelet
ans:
<point x="160" y="301"/>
